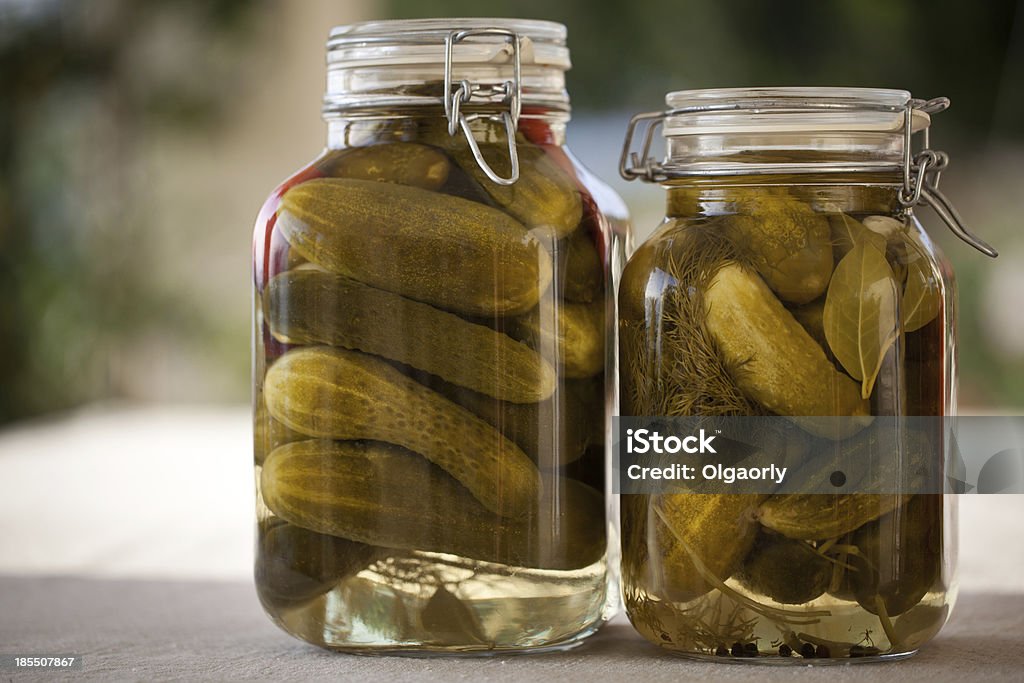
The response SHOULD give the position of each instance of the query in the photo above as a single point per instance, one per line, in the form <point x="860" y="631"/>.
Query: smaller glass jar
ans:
<point x="791" y="279"/>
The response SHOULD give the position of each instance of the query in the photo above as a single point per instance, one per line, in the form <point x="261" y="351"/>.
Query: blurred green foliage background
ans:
<point x="138" y="139"/>
<point x="83" y="85"/>
<point x="631" y="53"/>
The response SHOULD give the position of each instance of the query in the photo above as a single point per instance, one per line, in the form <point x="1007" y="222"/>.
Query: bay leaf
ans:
<point x="922" y="294"/>
<point x="861" y="312"/>
<point x="447" y="619"/>
<point x="847" y="231"/>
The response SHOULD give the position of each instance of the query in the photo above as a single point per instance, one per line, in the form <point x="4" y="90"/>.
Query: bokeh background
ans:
<point x="138" y="139"/>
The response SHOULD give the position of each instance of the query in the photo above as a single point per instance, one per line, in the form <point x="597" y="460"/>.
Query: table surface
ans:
<point x="201" y="630"/>
<point x="126" y="538"/>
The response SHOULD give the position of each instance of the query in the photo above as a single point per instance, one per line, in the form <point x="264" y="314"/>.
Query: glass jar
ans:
<point x="432" y="302"/>
<point x="792" y="280"/>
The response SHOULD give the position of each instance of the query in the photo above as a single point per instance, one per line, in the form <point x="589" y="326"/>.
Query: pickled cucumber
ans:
<point x="294" y="565"/>
<point x="570" y="335"/>
<point x="723" y="312"/>
<point x="447" y="251"/>
<point x="785" y="570"/>
<point x="268" y="433"/>
<point x="786" y="240"/>
<point x="404" y="163"/>
<point x="643" y="273"/>
<point x="339" y="394"/>
<point x="386" y="496"/>
<point x="580" y="263"/>
<point x="553" y="431"/>
<point x="311" y="306"/>
<point x="811" y="318"/>
<point x="699" y="537"/>
<point x="900" y="556"/>
<point x="772" y="358"/>
<point x="877" y="459"/>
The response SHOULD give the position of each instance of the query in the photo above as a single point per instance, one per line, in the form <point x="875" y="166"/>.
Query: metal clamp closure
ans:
<point x="642" y="165"/>
<point x="921" y="174"/>
<point x="512" y="92"/>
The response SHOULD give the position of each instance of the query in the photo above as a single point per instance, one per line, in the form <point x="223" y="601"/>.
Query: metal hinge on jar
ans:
<point x="455" y="97"/>
<point x="921" y="171"/>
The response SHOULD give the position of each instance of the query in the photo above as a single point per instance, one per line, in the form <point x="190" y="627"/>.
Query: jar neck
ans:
<point x="481" y="62"/>
<point x="423" y="124"/>
<point x="854" y="193"/>
<point x="779" y="154"/>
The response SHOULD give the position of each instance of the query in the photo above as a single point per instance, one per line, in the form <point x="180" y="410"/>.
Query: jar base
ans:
<point x="795" y="660"/>
<point x="385" y="610"/>
<point x="434" y="652"/>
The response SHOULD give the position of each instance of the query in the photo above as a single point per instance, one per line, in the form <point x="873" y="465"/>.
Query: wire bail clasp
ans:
<point x="922" y="171"/>
<point x="512" y="91"/>
<point x="642" y="165"/>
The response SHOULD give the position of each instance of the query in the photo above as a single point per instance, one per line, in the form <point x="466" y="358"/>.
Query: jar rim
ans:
<point x="789" y="95"/>
<point x="537" y="29"/>
<point x="498" y="64"/>
<point x="791" y="109"/>
<point x="397" y="42"/>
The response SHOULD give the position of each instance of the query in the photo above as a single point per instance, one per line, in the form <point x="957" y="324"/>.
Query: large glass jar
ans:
<point x="791" y="279"/>
<point x="432" y="303"/>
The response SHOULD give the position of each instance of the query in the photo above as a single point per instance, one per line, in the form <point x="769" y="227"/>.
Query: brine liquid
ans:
<point x="441" y="603"/>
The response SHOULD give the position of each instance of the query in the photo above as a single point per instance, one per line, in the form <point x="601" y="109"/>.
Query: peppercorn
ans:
<point x="807" y="651"/>
<point x="785" y="650"/>
<point x="737" y="649"/>
<point x="823" y="652"/>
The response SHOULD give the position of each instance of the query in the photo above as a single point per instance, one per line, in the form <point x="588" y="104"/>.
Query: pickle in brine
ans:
<point x="786" y="571"/>
<point x="788" y="243"/>
<point x="294" y="565"/>
<point x="697" y="540"/>
<point x="774" y="361"/>
<point x="580" y="265"/>
<point x="900" y="556"/>
<point x="884" y="464"/>
<point x="446" y="251"/>
<point x="404" y="163"/>
<point x="644" y="282"/>
<point x="311" y="306"/>
<point x="386" y="496"/>
<point x="568" y="334"/>
<point x="338" y="394"/>
<point x="268" y="433"/>
<point x="555" y="430"/>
